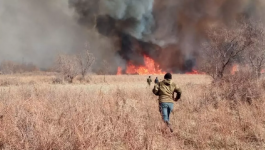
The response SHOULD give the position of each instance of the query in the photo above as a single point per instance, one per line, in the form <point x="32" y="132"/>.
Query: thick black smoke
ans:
<point x="133" y="17"/>
<point x="169" y="31"/>
<point x="118" y="31"/>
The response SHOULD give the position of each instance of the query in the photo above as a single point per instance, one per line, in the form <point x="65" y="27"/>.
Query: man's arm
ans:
<point x="156" y="89"/>
<point x="178" y="91"/>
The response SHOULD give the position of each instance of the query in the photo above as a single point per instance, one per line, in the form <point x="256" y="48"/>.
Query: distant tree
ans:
<point x="224" y="45"/>
<point x="68" y="66"/>
<point x="72" y="65"/>
<point x="85" y="60"/>
<point x="256" y="53"/>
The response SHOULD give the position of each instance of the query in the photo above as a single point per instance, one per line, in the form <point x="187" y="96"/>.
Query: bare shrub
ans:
<point x="72" y="65"/>
<point x="85" y="60"/>
<point x="257" y="61"/>
<point x="225" y="46"/>
<point x="256" y="54"/>
<point x="68" y="66"/>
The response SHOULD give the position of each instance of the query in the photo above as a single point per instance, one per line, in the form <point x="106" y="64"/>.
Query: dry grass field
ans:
<point x="120" y="112"/>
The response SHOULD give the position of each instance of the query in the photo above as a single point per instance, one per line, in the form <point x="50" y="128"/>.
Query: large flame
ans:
<point x="150" y="67"/>
<point x="119" y="71"/>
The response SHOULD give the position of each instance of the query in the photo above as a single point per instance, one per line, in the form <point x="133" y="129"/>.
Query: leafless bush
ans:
<point x="85" y="60"/>
<point x="72" y="65"/>
<point x="243" y="46"/>
<point x="225" y="46"/>
<point x="257" y="62"/>
<point x="68" y="66"/>
<point x="256" y="54"/>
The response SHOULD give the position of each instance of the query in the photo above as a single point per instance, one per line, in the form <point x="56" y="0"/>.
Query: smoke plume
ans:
<point x="115" y="31"/>
<point x="36" y="31"/>
<point x="169" y="31"/>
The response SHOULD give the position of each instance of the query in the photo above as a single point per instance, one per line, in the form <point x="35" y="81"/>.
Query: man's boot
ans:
<point x="168" y="124"/>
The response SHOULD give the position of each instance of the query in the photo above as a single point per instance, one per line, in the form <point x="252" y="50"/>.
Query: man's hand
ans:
<point x="156" y="89"/>
<point x="156" y="86"/>
<point x="176" y="99"/>
<point x="178" y="96"/>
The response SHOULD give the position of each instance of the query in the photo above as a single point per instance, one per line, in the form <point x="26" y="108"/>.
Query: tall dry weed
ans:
<point x="124" y="115"/>
<point x="241" y="87"/>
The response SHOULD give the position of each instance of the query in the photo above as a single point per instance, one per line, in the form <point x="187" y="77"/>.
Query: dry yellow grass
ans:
<point x="121" y="112"/>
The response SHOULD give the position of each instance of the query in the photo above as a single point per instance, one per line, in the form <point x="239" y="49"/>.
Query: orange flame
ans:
<point x="195" y="72"/>
<point x="234" y="69"/>
<point x="150" y="67"/>
<point x="119" y="71"/>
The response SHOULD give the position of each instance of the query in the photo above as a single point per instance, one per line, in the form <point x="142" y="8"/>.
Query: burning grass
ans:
<point x="149" y="67"/>
<point x="120" y="112"/>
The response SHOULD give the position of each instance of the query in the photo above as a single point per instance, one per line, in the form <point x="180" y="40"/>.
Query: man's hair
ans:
<point x="168" y="76"/>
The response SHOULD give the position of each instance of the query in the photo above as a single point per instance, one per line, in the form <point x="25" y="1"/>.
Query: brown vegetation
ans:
<point x="241" y="44"/>
<point x="10" y="67"/>
<point x="69" y="66"/>
<point x="122" y="113"/>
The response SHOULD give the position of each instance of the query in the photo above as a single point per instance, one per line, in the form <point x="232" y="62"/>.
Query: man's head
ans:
<point x="168" y="76"/>
<point x="149" y="76"/>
